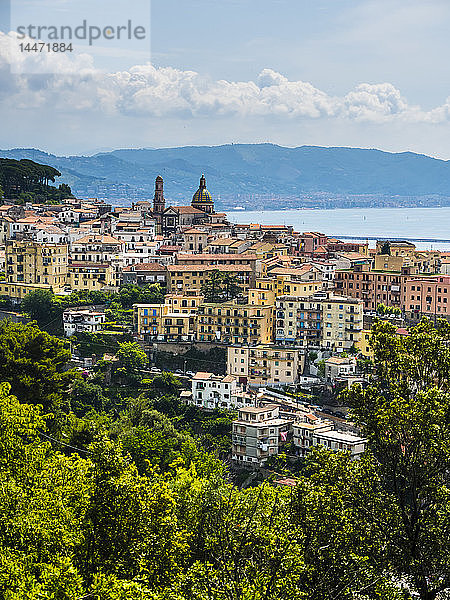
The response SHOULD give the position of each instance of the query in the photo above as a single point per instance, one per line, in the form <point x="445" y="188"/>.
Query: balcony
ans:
<point x="353" y="327"/>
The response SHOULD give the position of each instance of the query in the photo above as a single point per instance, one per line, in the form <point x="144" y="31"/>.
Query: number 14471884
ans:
<point x="43" y="47"/>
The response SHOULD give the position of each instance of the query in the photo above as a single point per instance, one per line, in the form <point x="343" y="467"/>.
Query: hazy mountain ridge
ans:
<point x="258" y="175"/>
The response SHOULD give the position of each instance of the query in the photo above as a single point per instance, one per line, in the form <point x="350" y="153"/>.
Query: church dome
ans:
<point x="202" y="196"/>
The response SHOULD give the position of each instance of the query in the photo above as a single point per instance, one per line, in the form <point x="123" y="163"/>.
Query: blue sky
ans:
<point x="368" y="73"/>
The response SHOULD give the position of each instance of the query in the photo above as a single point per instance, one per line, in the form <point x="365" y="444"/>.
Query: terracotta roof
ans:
<point x="231" y="268"/>
<point x="185" y="209"/>
<point x="402" y="331"/>
<point x="353" y="255"/>
<point x="51" y="229"/>
<point x="194" y="230"/>
<point x="337" y="360"/>
<point x="86" y="263"/>
<point x="104" y="239"/>
<point x="168" y="248"/>
<point x="148" y="266"/>
<point x="36" y="219"/>
<point x="203" y="375"/>
<point x="287" y="481"/>
<point x="207" y="256"/>
<point x="296" y="271"/>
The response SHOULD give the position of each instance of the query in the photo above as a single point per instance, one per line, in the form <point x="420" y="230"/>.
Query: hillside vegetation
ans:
<point x="111" y="488"/>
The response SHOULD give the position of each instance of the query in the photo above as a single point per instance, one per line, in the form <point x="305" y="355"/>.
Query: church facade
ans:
<point x="174" y="219"/>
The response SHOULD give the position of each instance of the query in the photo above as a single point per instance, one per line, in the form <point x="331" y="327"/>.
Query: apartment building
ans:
<point x="342" y="323"/>
<point x="82" y="320"/>
<point x="145" y="273"/>
<point x="427" y="296"/>
<point x="265" y="364"/>
<point x="323" y="320"/>
<point x="30" y="266"/>
<point x="195" y="240"/>
<point x="309" y="241"/>
<point x="96" y="248"/>
<point x="420" y="261"/>
<point x="181" y="278"/>
<point x="299" y="320"/>
<point x="363" y="345"/>
<point x="285" y="283"/>
<point x="259" y="433"/>
<point x="210" y="391"/>
<point x="337" y="366"/>
<point x="233" y="323"/>
<point x="262" y="296"/>
<point x="175" y="320"/>
<point x="423" y="262"/>
<point x="305" y="428"/>
<point x="208" y="259"/>
<point x="228" y="245"/>
<point x="372" y="287"/>
<point x="92" y="276"/>
<point x="317" y="432"/>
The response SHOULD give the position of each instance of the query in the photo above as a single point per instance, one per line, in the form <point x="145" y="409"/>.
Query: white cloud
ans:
<point x="144" y="90"/>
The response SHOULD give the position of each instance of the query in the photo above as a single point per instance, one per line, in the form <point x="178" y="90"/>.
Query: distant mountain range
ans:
<point x="257" y="176"/>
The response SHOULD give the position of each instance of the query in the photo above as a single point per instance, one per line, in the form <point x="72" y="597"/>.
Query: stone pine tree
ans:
<point x="220" y="287"/>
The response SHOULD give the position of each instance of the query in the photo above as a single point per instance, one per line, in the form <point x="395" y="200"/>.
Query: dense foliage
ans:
<point x="220" y="287"/>
<point x="47" y="308"/>
<point x="27" y="180"/>
<point x="122" y="492"/>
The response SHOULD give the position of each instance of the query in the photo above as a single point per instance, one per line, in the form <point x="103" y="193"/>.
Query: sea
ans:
<point x="427" y="228"/>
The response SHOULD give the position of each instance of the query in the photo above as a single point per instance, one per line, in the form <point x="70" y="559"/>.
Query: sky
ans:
<point x="361" y="73"/>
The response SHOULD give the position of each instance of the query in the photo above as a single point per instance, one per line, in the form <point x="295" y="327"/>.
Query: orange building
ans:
<point x="427" y="296"/>
<point x="373" y="287"/>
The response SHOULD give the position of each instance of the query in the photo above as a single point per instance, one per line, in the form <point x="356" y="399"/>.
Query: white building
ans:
<point x="258" y="434"/>
<point x="218" y="391"/>
<point x="50" y="234"/>
<point x="337" y="366"/>
<point x="140" y="252"/>
<point x="79" y="320"/>
<point x="319" y="432"/>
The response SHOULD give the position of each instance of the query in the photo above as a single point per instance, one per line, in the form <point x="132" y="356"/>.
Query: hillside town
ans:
<point x="289" y="311"/>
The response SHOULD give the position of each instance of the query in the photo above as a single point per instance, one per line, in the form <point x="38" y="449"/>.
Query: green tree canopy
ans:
<point x="385" y="248"/>
<point x="405" y="414"/>
<point x="34" y="363"/>
<point x="132" y="357"/>
<point x="40" y="306"/>
<point x="220" y="287"/>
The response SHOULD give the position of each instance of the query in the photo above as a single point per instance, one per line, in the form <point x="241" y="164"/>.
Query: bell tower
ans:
<point x="159" y="203"/>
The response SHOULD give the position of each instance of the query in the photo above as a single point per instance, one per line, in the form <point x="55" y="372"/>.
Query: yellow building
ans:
<point x="287" y="284"/>
<point x="363" y="344"/>
<point x="265" y="250"/>
<point x="265" y="364"/>
<point x="92" y="276"/>
<point x="261" y="296"/>
<point x="232" y="323"/>
<point x="342" y="322"/>
<point x="418" y="261"/>
<point x="175" y="320"/>
<point x="182" y="278"/>
<point x="195" y="240"/>
<point x="31" y="265"/>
